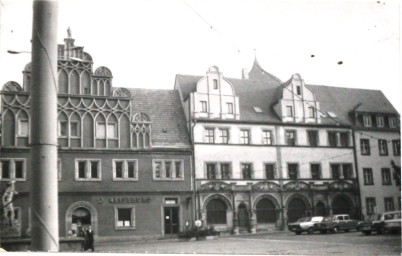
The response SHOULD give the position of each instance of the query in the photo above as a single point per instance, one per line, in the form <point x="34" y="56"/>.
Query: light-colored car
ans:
<point x="381" y="223"/>
<point x="305" y="224"/>
<point x="336" y="223"/>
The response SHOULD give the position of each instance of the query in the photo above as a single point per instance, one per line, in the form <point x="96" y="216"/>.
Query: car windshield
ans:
<point x="373" y="217"/>
<point x="388" y="216"/>
<point x="304" y="219"/>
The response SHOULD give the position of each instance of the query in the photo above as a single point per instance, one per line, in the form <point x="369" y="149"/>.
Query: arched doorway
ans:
<point x="320" y="209"/>
<point x="216" y="212"/>
<point x="266" y="212"/>
<point x="81" y="213"/>
<point x="81" y="218"/>
<point x="341" y="205"/>
<point x="243" y="218"/>
<point x="297" y="209"/>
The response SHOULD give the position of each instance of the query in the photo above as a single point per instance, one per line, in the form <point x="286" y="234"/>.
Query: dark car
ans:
<point x="305" y="224"/>
<point x="381" y="223"/>
<point x="336" y="223"/>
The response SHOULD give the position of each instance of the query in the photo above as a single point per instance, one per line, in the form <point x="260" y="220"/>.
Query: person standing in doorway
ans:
<point x="90" y="238"/>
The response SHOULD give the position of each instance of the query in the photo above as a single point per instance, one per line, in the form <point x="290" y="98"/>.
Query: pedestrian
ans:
<point x="90" y="238"/>
<point x="85" y="236"/>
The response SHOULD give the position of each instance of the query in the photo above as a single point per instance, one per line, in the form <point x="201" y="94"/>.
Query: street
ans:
<point x="268" y="243"/>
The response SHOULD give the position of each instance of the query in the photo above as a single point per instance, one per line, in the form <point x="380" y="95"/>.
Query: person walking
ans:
<point x="90" y="239"/>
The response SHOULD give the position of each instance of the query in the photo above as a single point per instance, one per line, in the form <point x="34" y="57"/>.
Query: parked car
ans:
<point x="381" y="223"/>
<point x="336" y="223"/>
<point x="305" y="224"/>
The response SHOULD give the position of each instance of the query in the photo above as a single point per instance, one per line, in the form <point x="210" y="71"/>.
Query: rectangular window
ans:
<point x="293" y="171"/>
<point x="211" y="171"/>
<point x="209" y="135"/>
<point x="124" y="218"/>
<point x="386" y="176"/>
<point x="225" y="171"/>
<point x="5" y="169"/>
<point x="19" y="169"/>
<point x="13" y="169"/>
<point x="370" y="205"/>
<point x="332" y="139"/>
<point x="23" y="127"/>
<point x="74" y="129"/>
<point x="335" y="171"/>
<point x="87" y="170"/>
<point x="365" y="147"/>
<point x="392" y="122"/>
<point x="298" y="90"/>
<point x="266" y="137"/>
<point x="100" y="131"/>
<point x="62" y="129"/>
<point x="347" y="171"/>
<point x="380" y="121"/>
<point x="229" y="107"/>
<point x="125" y="169"/>
<point x="269" y="171"/>
<point x="215" y="81"/>
<point x="204" y="107"/>
<point x="224" y="136"/>
<point x="315" y="171"/>
<point x="246" y="171"/>
<point x="396" y="146"/>
<point x="290" y="138"/>
<point x="311" y="112"/>
<point x="168" y="169"/>
<point x="112" y="131"/>
<point x="383" y="147"/>
<point x="389" y="204"/>
<point x="244" y="136"/>
<point x="367" y="121"/>
<point x="289" y="111"/>
<point x="344" y="137"/>
<point x="368" y="176"/>
<point x="312" y="138"/>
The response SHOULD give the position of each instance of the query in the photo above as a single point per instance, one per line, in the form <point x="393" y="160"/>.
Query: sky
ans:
<point x="145" y="43"/>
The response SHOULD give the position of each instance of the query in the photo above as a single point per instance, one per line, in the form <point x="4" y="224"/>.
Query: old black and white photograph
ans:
<point x="238" y="127"/>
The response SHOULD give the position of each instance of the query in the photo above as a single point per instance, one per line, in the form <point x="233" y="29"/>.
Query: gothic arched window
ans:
<point x="141" y="130"/>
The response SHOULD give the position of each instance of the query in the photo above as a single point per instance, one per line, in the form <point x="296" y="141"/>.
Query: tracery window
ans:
<point x="141" y="130"/>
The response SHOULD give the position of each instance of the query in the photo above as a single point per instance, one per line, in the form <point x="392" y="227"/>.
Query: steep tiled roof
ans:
<point x="257" y="73"/>
<point x="166" y="113"/>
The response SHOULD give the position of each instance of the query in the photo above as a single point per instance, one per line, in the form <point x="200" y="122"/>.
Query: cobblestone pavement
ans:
<point x="352" y="243"/>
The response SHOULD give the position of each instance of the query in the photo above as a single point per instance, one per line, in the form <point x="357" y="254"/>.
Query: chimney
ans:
<point x="244" y="73"/>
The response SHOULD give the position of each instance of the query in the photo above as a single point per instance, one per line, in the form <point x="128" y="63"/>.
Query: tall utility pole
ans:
<point x="44" y="192"/>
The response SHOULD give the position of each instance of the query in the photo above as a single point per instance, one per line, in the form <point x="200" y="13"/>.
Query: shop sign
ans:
<point x="129" y="200"/>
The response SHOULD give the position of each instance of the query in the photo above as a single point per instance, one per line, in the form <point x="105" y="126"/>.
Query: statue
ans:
<point x="69" y="32"/>
<point x="7" y="200"/>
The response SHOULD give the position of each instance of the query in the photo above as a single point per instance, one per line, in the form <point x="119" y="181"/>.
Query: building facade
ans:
<point x="124" y="156"/>
<point x="266" y="152"/>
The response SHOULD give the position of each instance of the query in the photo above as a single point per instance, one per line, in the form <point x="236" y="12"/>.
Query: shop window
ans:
<point x="266" y="137"/>
<point x="13" y="169"/>
<point x="23" y="128"/>
<point x="125" y="169"/>
<point x="224" y="135"/>
<point x="246" y="170"/>
<point x="269" y="171"/>
<point x="290" y="138"/>
<point x="124" y="217"/>
<point x="370" y="205"/>
<point x="315" y="171"/>
<point x="386" y="176"/>
<point x="87" y="170"/>
<point x="383" y="147"/>
<point x="312" y="138"/>
<point x="293" y="171"/>
<point x="209" y="135"/>
<point x="168" y="170"/>
<point x="211" y="171"/>
<point x="225" y="171"/>
<point x="365" y="146"/>
<point x="396" y="146"/>
<point x="229" y="106"/>
<point x="244" y="136"/>
<point x="368" y="176"/>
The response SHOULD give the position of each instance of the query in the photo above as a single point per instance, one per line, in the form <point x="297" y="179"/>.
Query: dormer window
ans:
<point x="289" y="111"/>
<point x="215" y="81"/>
<point x="311" y="112"/>
<point x="380" y="121"/>
<point x="298" y="90"/>
<point x="392" y="122"/>
<point x="204" y="108"/>
<point x="229" y="107"/>
<point x="367" y="121"/>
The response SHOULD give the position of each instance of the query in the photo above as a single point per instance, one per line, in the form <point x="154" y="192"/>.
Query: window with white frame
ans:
<point x="396" y="146"/>
<point x="229" y="106"/>
<point x="368" y="176"/>
<point x="75" y="129"/>
<point x="311" y="112"/>
<point x="100" y="130"/>
<point x="367" y="121"/>
<point x="168" y="169"/>
<point x="389" y="204"/>
<point x="293" y="171"/>
<point x="392" y="122"/>
<point x="23" y="127"/>
<point x="125" y="169"/>
<point x="267" y="137"/>
<point x="124" y="217"/>
<point x="62" y="129"/>
<point x="209" y="135"/>
<point x="13" y="169"/>
<point x="380" y="121"/>
<point x="211" y="172"/>
<point x="386" y="176"/>
<point x="290" y="138"/>
<point x="204" y="107"/>
<point x="370" y="205"/>
<point x="111" y="130"/>
<point x="383" y="147"/>
<point x="244" y="136"/>
<point x="246" y="170"/>
<point x="269" y="171"/>
<point x="365" y="146"/>
<point x="224" y="135"/>
<point x="289" y="111"/>
<point x="226" y="170"/>
<point x="315" y="171"/>
<point x="87" y="169"/>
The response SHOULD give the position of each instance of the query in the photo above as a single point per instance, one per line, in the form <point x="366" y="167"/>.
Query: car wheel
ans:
<point x="310" y="230"/>
<point x="298" y="232"/>
<point x="367" y="232"/>
<point x="335" y="229"/>
<point x="323" y="231"/>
